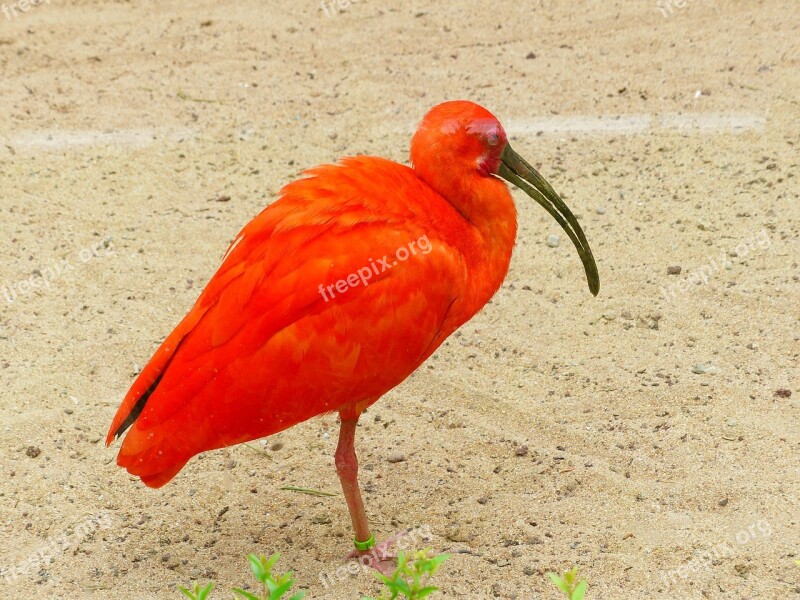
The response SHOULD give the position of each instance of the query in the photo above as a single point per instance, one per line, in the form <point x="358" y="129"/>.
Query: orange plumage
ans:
<point x="273" y="340"/>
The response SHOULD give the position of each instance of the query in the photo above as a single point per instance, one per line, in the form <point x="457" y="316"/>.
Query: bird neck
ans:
<point x="486" y="204"/>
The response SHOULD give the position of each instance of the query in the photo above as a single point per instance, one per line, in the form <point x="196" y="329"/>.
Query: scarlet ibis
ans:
<point x="334" y="294"/>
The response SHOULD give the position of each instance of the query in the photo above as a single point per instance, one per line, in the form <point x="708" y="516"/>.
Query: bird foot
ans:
<point x="380" y="557"/>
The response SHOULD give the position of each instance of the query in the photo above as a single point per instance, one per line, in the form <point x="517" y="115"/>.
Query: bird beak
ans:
<point x="515" y="169"/>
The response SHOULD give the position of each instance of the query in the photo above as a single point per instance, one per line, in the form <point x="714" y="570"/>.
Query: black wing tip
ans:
<point x="137" y="409"/>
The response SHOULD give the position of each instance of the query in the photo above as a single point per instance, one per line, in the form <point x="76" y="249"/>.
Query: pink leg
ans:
<point x="347" y="467"/>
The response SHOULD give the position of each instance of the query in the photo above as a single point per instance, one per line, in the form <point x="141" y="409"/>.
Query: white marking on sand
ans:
<point x="65" y="139"/>
<point x="637" y="124"/>
<point x="706" y="123"/>
<point x="622" y="124"/>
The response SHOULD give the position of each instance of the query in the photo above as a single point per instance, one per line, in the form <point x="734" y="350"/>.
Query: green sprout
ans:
<point x="567" y="584"/>
<point x="411" y="578"/>
<point x="274" y="587"/>
<point x="198" y="593"/>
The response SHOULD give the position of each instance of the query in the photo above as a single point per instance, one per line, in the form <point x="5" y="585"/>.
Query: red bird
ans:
<point x="336" y="293"/>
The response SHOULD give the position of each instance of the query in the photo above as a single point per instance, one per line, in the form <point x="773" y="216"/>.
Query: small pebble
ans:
<point x="553" y="241"/>
<point x="396" y="457"/>
<point x="276" y="446"/>
<point x="701" y="369"/>
<point x="33" y="451"/>
<point x="723" y="502"/>
<point x="521" y="450"/>
<point x="783" y="393"/>
<point x="600" y="210"/>
<point x="674" y="270"/>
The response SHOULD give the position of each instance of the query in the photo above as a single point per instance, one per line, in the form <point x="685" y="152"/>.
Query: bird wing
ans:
<point x="277" y="337"/>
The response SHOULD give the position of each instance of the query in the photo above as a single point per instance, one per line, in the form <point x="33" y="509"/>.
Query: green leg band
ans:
<point x="364" y="546"/>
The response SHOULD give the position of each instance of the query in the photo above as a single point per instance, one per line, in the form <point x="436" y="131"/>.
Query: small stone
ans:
<point x="701" y="369"/>
<point x="276" y="446"/>
<point x="600" y="210"/>
<point x="33" y="451"/>
<point x="723" y="502"/>
<point x="396" y="457"/>
<point x="68" y="411"/>
<point x="530" y="55"/>
<point x="553" y="241"/>
<point x="674" y="270"/>
<point x="456" y="533"/>
<point x="521" y="450"/>
<point x="783" y="393"/>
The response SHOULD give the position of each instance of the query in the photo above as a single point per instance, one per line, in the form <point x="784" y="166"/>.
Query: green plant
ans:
<point x="567" y="584"/>
<point x="411" y="577"/>
<point x="274" y="587"/>
<point x="198" y="593"/>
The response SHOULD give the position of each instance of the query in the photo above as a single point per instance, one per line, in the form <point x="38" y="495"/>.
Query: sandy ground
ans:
<point x="661" y="419"/>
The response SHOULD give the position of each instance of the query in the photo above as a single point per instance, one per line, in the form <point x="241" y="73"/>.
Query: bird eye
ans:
<point x="493" y="139"/>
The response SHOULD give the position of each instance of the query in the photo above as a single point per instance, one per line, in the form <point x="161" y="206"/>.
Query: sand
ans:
<point x="648" y="436"/>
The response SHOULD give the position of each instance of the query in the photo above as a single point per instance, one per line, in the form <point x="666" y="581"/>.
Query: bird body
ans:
<point x="334" y="294"/>
<point x="264" y="349"/>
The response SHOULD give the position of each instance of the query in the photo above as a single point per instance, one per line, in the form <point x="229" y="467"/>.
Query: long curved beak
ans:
<point x="515" y="169"/>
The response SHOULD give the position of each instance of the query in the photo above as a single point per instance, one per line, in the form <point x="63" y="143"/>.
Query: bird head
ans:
<point x="462" y="142"/>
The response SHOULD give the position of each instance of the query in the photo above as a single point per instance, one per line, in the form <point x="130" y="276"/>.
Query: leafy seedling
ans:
<point x="568" y="584"/>
<point x="198" y="593"/>
<point x="274" y="587"/>
<point x="411" y="578"/>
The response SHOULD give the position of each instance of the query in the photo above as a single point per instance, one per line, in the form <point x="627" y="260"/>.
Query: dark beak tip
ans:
<point x="514" y="169"/>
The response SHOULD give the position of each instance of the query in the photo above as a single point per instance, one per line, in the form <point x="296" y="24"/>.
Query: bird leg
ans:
<point x="368" y="553"/>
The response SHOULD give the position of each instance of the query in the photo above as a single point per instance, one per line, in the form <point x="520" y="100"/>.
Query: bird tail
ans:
<point x="147" y="381"/>
<point x="151" y="455"/>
